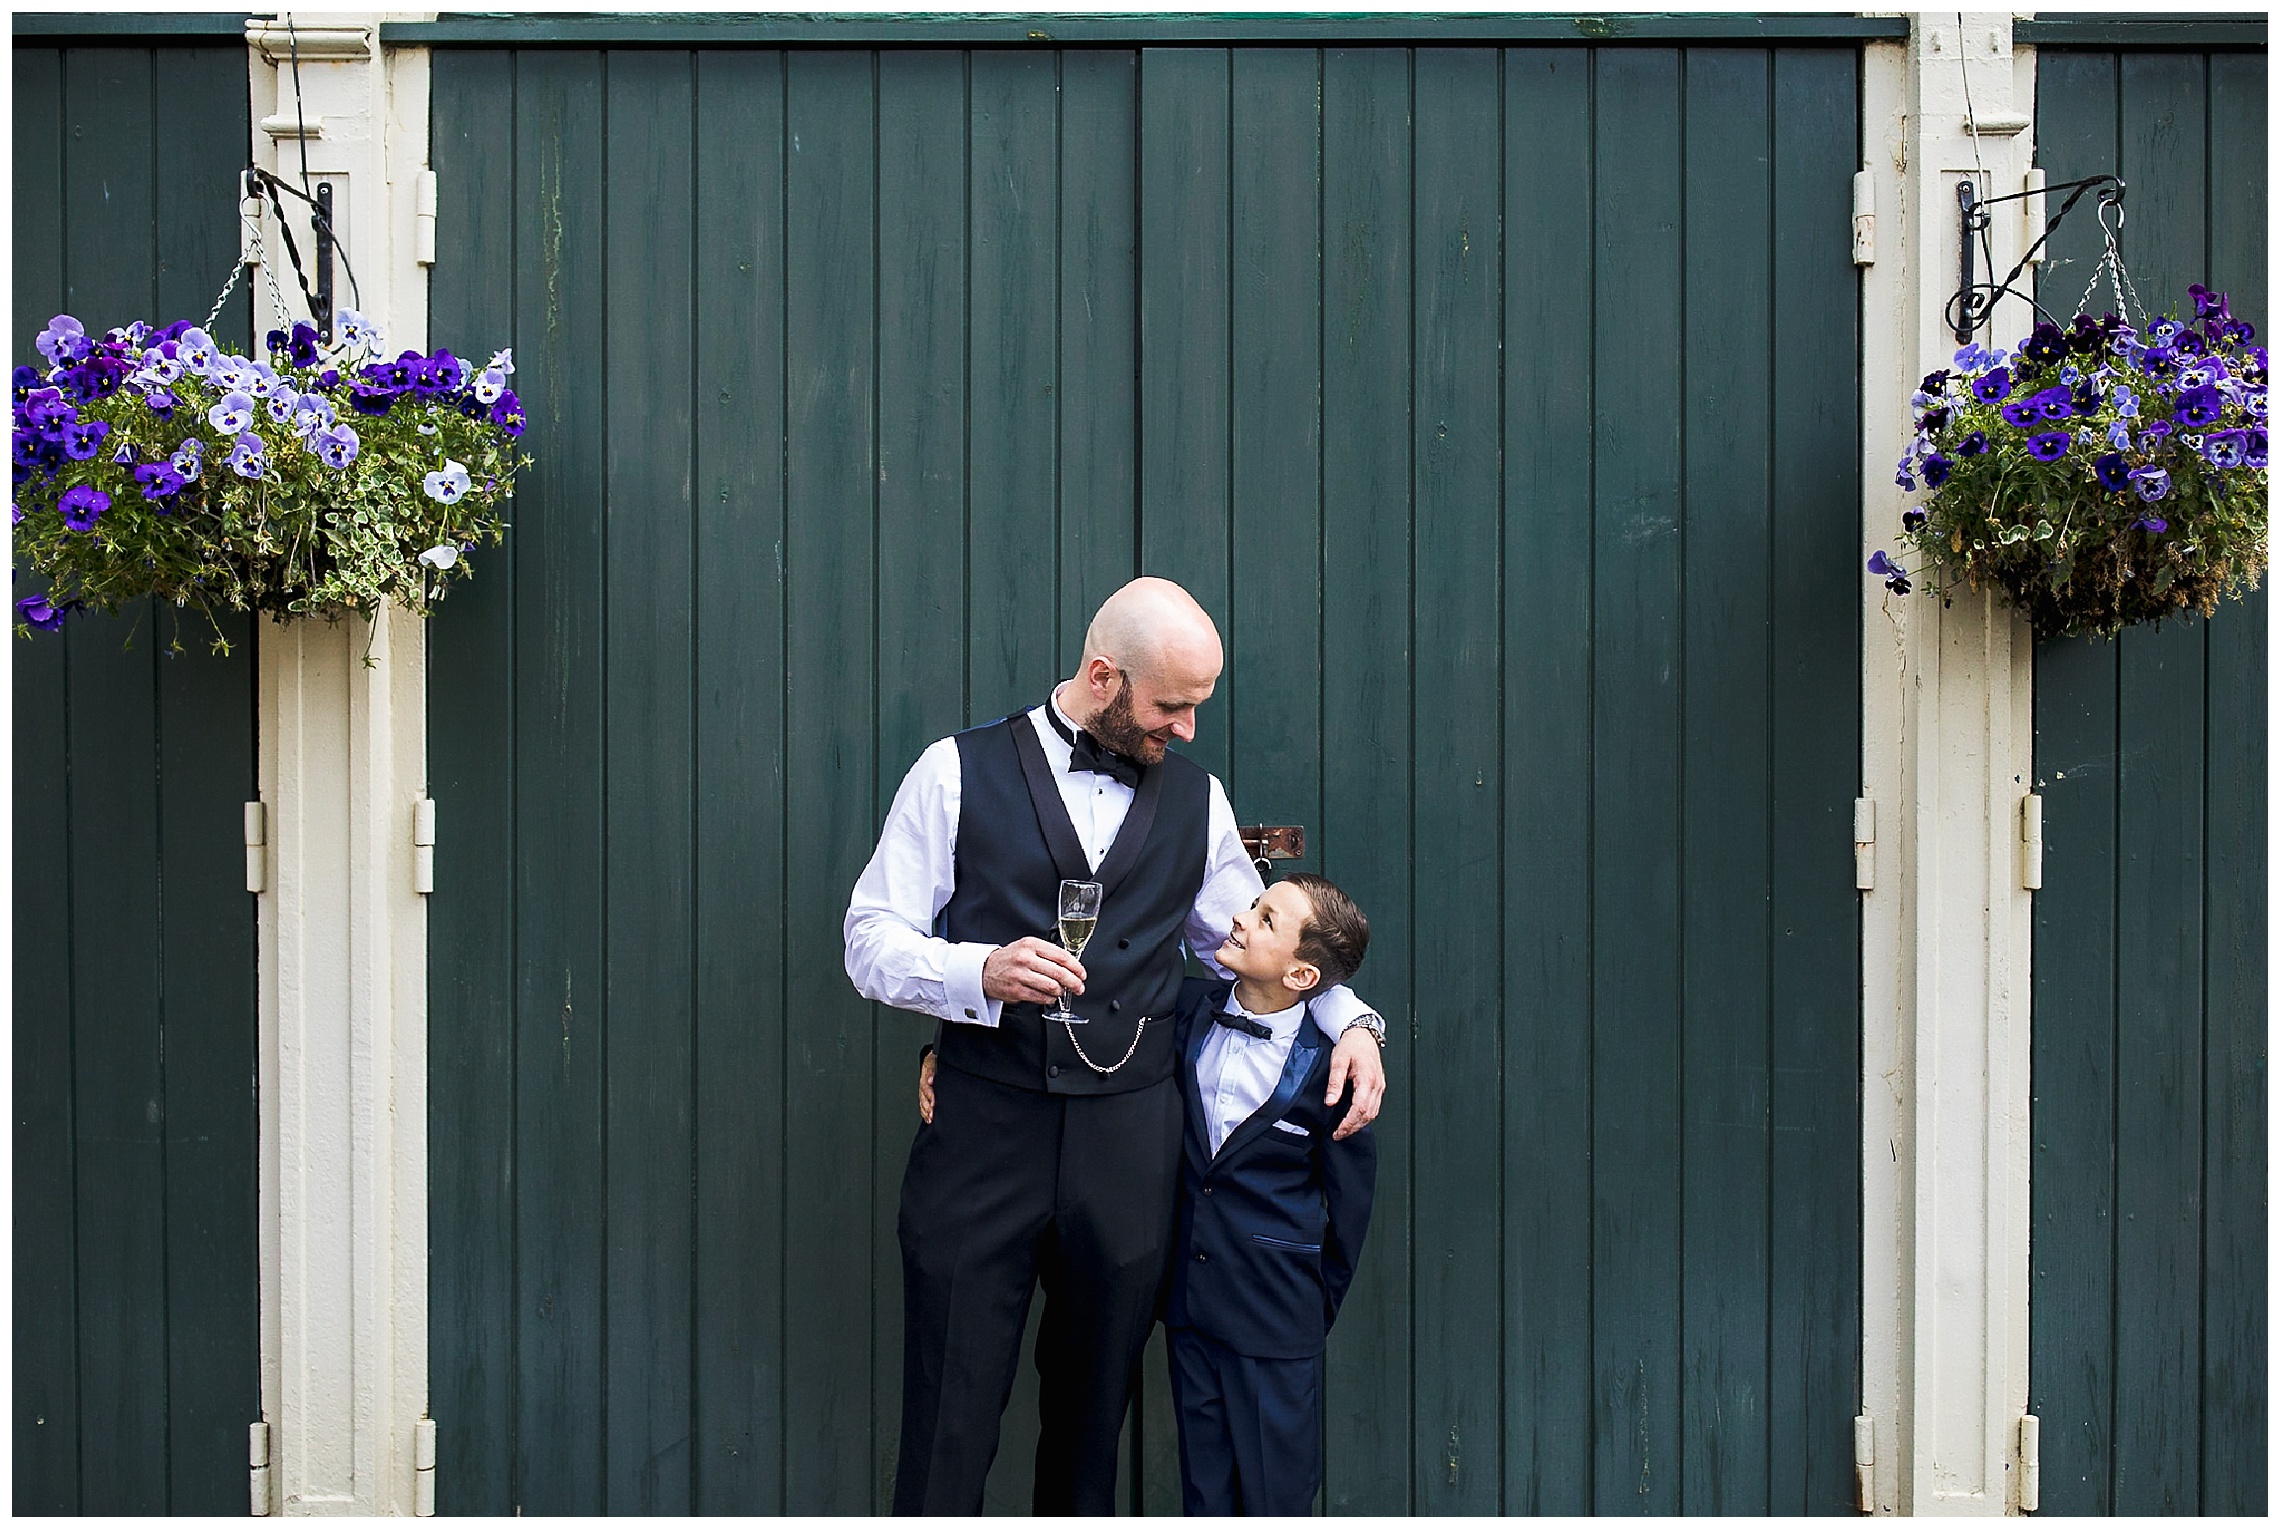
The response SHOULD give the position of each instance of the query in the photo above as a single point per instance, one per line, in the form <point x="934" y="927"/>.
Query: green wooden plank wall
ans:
<point x="137" y="1283"/>
<point x="1501" y="406"/>
<point x="2150" y="989"/>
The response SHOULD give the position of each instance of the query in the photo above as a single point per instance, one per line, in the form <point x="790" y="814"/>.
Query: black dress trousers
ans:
<point x="1007" y="1188"/>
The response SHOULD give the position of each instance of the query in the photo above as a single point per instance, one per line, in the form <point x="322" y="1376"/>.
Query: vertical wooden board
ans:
<point x="1274" y="629"/>
<point x="1366" y="787"/>
<point x="2158" y="918"/>
<point x="2071" y="1379"/>
<point x="1459" y="774"/>
<point x="194" y="173"/>
<point x="2236" y="1324"/>
<point x="107" y="201"/>
<point x="1548" y="804"/>
<point x="924" y="495"/>
<point x="1013" y="235"/>
<point x="560" y="213"/>
<point x="1151" y="1463"/>
<point x="1815" y="958"/>
<point x="1725" y="807"/>
<point x="830" y="305"/>
<point x="1636" y="620"/>
<point x="45" y="1433"/>
<point x="471" y="773"/>
<point x="738" y="1336"/>
<point x="649" y="804"/>
<point x="118" y="1087"/>
<point x="1184" y="386"/>
<point x="36" y="116"/>
<point x="206" y="723"/>
<point x="2157" y="1107"/>
<point x="205" y="775"/>
<point x="1099" y="330"/>
<point x="2164" y="155"/>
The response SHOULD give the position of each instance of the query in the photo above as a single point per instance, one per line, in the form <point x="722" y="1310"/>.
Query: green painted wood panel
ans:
<point x="740" y="1234"/>
<point x="473" y="772"/>
<point x="136" y="1274"/>
<point x="1536" y="631"/>
<point x="2150" y="1008"/>
<point x="1364" y="835"/>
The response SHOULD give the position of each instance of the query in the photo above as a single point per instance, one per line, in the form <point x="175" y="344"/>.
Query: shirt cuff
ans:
<point x="1337" y="1009"/>
<point x="962" y="986"/>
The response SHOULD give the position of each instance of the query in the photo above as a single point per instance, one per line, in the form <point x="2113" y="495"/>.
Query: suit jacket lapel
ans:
<point x="1198" y="1136"/>
<point x="1133" y="835"/>
<point x="1045" y="796"/>
<point x="1305" y="1046"/>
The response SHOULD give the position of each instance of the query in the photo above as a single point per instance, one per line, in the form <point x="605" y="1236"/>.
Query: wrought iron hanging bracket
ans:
<point x="1974" y="300"/>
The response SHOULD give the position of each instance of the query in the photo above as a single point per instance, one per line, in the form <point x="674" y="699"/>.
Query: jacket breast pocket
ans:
<point x="1285" y="1244"/>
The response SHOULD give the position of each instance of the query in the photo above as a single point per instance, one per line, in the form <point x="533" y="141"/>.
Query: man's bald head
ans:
<point x="1152" y="628"/>
<point x="1152" y="657"/>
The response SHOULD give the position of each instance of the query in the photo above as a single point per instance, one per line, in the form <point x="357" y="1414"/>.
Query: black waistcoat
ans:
<point x="1015" y="847"/>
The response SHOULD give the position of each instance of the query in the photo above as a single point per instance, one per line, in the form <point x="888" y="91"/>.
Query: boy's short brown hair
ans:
<point x="1337" y="934"/>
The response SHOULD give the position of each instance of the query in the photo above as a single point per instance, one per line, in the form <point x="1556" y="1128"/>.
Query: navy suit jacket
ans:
<point x="1270" y="1228"/>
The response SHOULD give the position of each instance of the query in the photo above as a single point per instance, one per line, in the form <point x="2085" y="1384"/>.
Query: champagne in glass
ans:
<point x="1080" y="910"/>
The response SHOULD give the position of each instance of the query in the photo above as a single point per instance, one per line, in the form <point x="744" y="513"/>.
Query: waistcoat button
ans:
<point x="1123" y="944"/>
<point x="1053" y="1071"/>
<point x="1203" y="1258"/>
<point x="1115" y="1004"/>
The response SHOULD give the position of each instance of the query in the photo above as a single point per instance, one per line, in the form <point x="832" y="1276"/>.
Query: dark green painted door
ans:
<point x="2150" y="1325"/>
<point x="1501" y="406"/>
<point x="137" y="1279"/>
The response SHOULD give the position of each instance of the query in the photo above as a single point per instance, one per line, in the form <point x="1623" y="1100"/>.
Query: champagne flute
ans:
<point x="1080" y="910"/>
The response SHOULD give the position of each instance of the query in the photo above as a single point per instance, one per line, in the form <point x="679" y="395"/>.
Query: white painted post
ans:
<point x="1948" y="734"/>
<point x="343" y="937"/>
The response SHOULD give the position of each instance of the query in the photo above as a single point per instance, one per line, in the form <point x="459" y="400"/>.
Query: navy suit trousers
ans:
<point x="1250" y="1429"/>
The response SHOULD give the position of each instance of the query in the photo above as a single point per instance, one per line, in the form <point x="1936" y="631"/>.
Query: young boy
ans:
<point x="1272" y="1210"/>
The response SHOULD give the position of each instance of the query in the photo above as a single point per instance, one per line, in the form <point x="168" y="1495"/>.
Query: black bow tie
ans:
<point x="1088" y="753"/>
<point x="1244" y="1023"/>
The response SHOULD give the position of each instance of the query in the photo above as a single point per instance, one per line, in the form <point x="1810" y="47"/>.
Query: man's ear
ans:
<point x="1302" y="978"/>
<point x="1100" y="676"/>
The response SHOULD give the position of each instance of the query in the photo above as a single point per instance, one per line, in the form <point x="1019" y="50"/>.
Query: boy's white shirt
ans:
<point x="1236" y="1073"/>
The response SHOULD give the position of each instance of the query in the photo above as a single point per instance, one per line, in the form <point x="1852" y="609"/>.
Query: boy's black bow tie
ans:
<point x="1244" y="1023"/>
<point x="1088" y="753"/>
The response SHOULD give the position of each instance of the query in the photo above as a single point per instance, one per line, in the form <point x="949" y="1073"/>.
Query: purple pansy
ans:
<point x="2049" y="447"/>
<point x="82" y="506"/>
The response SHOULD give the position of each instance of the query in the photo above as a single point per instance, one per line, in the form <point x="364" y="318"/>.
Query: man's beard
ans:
<point x="1119" y="728"/>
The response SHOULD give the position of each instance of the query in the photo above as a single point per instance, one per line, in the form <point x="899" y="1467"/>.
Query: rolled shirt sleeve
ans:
<point x="1231" y="883"/>
<point x="892" y="954"/>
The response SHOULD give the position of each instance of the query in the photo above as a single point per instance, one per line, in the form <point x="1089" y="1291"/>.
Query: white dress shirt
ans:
<point x="893" y="955"/>
<point x="1235" y="1073"/>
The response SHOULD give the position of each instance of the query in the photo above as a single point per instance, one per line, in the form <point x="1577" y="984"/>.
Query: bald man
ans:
<point x="1053" y="1153"/>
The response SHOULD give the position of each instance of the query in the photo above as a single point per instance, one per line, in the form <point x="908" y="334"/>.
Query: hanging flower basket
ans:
<point x="2100" y="476"/>
<point x="155" y="463"/>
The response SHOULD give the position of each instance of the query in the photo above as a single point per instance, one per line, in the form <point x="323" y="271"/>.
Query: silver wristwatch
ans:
<point x="1370" y="1021"/>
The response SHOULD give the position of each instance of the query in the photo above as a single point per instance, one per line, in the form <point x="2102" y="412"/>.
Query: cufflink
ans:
<point x="969" y="1013"/>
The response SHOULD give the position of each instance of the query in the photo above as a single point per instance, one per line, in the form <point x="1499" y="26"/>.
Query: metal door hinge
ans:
<point x="2030" y="1464"/>
<point x="1864" y="1464"/>
<point x="257" y="1460"/>
<point x="1864" y="843"/>
<point x="256" y="847"/>
<point x="423" y="1468"/>
<point x="423" y="845"/>
<point x="2030" y="842"/>
<point x="1864" y="218"/>
<point x="423" y="219"/>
